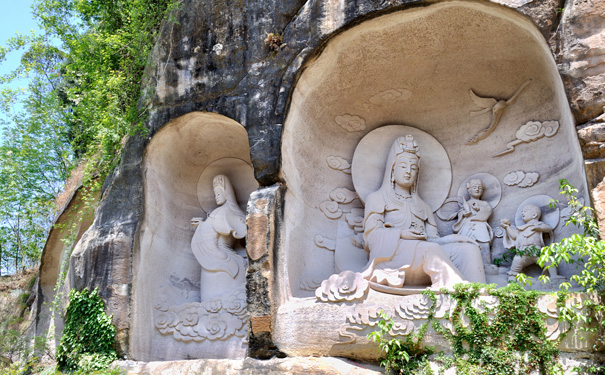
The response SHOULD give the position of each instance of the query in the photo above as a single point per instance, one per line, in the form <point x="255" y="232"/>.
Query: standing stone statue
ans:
<point x="398" y="223"/>
<point x="525" y="236"/>
<point x="214" y="241"/>
<point x="473" y="217"/>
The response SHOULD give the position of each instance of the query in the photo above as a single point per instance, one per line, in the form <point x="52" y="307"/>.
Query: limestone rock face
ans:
<point x="598" y="196"/>
<point x="213" y="59"/>
<point x="582" y="56"/>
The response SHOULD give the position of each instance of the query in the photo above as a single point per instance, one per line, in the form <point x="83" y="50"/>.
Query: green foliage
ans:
<point x="509" y="339"/>
<point x="89" y="336"/>
<point x="507" y="257"/>
<point x="587" y="251"/>
<point x="84" y="75"/>
<point x="403" y="356"/>
<point x="20" y="354"/>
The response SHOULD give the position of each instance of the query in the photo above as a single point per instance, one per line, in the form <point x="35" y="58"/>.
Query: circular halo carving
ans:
<point x="492" y="192"/>
<point x="549" y="216"/>
<point x="239" y="172"/>
<point x="370" y="157"/>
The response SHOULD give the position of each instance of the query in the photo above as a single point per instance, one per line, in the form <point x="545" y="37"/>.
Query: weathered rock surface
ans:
<point x="598" y="197"/>
<point x="582" y="56"/>
<point x="592" y="141"/>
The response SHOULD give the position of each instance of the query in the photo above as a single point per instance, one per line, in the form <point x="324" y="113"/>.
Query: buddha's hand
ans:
<point x="412" y="234"/>
<point x="504" y="223"/>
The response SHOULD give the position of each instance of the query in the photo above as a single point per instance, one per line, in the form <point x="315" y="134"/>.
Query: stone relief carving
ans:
<point x="529" y="233"/>
<point x="330" y="209"/>
<point x="473" y="217"/>
<point x="214" y="319"/>
<point x="530" y="132"/>
<point x="339" y="164"/>
<point x="497" y="107"/>
<point x="398" y="223"/>
<point x="343" y="195"/>
<point x="384" y="97"/>
<point x="351" y="123"/>
<point x="521" y="179"/>
<point x="213" y="243"/>
<point x="401" y="237"/>
<point x="221" y="313"/>
<point x="324" y="243"/>
<point x="346" y="286"/>
<point x="390" y="96"/>
<point x="412" y="311"/>
<point x="478" y="195"/>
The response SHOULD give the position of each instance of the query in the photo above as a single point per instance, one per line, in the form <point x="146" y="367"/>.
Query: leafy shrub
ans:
<point x="89" y="336"/>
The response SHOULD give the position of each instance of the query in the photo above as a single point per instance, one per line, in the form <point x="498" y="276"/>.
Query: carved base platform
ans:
<point x="308" y="327"/>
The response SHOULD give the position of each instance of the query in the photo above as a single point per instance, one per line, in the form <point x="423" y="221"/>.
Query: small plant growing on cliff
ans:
<point x="88" y="338"/>
<point x="274" y="41"/>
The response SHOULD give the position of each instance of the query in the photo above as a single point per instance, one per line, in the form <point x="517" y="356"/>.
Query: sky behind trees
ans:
<point x="16" y="17"/>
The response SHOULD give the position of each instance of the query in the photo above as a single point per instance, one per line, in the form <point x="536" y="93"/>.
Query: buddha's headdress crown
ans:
<point x="407" y="144"/>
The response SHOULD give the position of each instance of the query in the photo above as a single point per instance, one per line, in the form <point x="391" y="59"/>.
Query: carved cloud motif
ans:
<point x="530" y="132"/>
<point x="391" y="95"/>
<point x="330" y="209"/>
<point x="324" y="243"/>
<point x="351" y="123"/>
<point x="521" y="179"/>
<point x="418" y="306"/>
<point x="345" y="286"/>
<point x="343" y="195"/>
<point x="339" y="164"/>
<point x="214" y="319"/>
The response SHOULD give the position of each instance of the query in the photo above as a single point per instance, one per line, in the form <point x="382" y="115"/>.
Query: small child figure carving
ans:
<point x="525" y="236"/>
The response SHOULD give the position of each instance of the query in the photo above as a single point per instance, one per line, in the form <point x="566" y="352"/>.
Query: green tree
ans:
<point x="84" y="74"/>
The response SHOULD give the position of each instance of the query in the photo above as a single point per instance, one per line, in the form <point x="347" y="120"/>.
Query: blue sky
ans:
<point x="16" y="17"/>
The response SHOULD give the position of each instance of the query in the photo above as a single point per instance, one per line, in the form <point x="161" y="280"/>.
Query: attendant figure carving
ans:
<point x="215" y="240"/>
<point x="473" y="217"/>
<point x="524" y="237"/>
<point x="398" y="226"/>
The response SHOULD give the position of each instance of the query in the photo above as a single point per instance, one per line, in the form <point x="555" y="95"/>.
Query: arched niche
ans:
<point x="415" y="68"/>
<point x="74" y="218"/>
<point x="179" y="164"/>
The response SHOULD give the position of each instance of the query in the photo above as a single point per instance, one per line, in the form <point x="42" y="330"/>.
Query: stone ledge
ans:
<point x="296" y="365"/>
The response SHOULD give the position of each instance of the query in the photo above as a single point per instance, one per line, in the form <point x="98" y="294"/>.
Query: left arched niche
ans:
<point x="73" y="219"/>
<point x="171" y="320"/>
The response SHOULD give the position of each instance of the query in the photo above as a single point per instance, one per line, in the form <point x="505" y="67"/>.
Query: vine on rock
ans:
<point x="507" y="339"/>
<point x="89" y="336"/>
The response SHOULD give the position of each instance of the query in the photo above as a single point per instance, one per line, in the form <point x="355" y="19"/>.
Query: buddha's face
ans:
<point x="219" y="195"/>
<point x="406" y="170"/>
